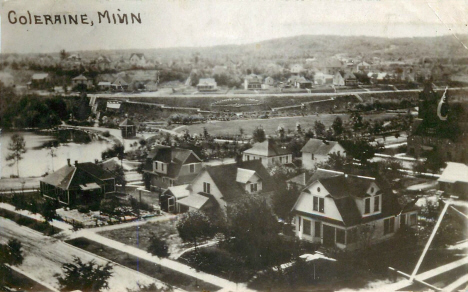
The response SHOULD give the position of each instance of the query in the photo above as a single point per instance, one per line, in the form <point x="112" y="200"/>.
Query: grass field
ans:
<point x="271" y="125"/>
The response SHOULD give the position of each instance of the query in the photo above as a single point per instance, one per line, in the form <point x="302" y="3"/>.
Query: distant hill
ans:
<point x="307" y="46"/>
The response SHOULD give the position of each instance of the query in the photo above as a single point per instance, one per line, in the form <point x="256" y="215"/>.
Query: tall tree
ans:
<point x="319" y="129"/>
<point x="337" y="126"/>
<point x="82" y="276"/>
<point x="259" y="135"/>
<point x="17" y="148"/>
<point x="194" y="226"/>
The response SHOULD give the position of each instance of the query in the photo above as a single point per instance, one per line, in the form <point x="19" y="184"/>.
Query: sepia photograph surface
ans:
<point x="202" y="145"/>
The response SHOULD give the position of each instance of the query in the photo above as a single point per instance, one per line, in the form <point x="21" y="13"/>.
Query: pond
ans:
<point x="38" y="160"/>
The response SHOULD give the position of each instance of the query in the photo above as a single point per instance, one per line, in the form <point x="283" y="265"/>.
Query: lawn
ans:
<point x="139" y="236"/>
<point x="271" y="125"/>
<point x="166" y="275"/>
<point x="20" y="282"/>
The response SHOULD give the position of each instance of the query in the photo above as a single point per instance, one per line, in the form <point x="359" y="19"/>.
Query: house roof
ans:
<point x="244" y="175"/>
<point x="206" y="81"/>
<point x="60" y="178"/>
<point x="344" y="189"/>
<point x="300" y="179"/>
<point x="225" y="178"/>
<point x="139" y="55"/>
<point x="175" y="158"/>
<point x="80" y="77"/>
<point x="454" y="172"/>
<point x="266" y="148"/>
<point x="179" y="192"/>
<point x="318" y="147"/>
<point x="63" y="177"/>
<point x="104" y="83"/>
<point x="39" y="76"/>
<point x="126" y="122"/>
<point x="194" y="200"/>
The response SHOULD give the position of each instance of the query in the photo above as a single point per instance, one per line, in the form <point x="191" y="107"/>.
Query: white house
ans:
<point x="454" y="180"/>
<point x="138" y="60"/>
<point x="268" y="153"/>
<point x="207" y="84"/>
<point x="317" y="151"/>
<point x="337" y="209"/>
<point x="252" y="82"/>
<point x="217" y="186"/>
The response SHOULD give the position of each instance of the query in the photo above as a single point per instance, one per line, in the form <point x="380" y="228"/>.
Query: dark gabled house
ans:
<point x="168" y="166"/>
<point x="78" y="184"/>
<point x="335" y="207"/>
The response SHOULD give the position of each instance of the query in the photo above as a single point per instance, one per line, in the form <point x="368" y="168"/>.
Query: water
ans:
<point x="37" y="160"/>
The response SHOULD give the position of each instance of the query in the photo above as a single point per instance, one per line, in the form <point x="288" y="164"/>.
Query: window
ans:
<point x="318" y="229"/>
<point x="248" y="157"/>
<point x="367" y="206"/>
<point x="389" y="225"/>
<point x="287" y="159"/>
<point x="315" y="203"/>
<point x="162" y="167"/>
<point x="402" y="220"/>
<point x="322" y="205"/>
<point x="340" y="236"/>
<point x="312" y="156"/>
<point x="156" y="165"/>
<point x="318" y="190"/>
<point x="281" y="159"/>
<point x="307" y="226"/>
<point x="192" y="168"/>
<point x="253" y="188"/>
<point x="206" y="187"/>
<point x="376" y="203"/>
<point x="299" y="219"/>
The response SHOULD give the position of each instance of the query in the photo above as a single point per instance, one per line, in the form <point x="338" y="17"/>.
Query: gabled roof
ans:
<point x="80" y="78"/>
<point x="318" y="147"/>
<point x="138" y="55"/>
<point x="179" y="192"/>
<point x="126" y="122"/>
<point x="454" y="172"/>
<point x="174" y="158"/>
<point x="225" y="178"/>
<point x="206" y="81"/>
<point x="60" y="178"/>
<point x="343" y="189"/>
<point x="300" y="179"/>
<point x="63" y="177"/>
<point x="194" y="200"/>
<point x="244" y="175"/>
<point x="267" y="148"/>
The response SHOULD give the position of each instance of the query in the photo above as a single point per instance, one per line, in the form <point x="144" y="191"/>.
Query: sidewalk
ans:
<point x="176" y="266"/>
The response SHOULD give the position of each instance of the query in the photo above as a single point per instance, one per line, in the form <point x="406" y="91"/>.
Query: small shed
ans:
<point x="128" y="129"/>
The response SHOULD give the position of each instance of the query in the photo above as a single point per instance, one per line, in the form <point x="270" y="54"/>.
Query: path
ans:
<point x="91" y="234"/>
<point x="44" y="256"/>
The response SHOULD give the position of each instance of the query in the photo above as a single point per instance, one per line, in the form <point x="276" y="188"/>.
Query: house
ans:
<point x="338" y="79"/>
<point x="268" y="153"/>
<point x="454" y="180"/>
<point x="323" y="79"/>
<point x="363" y="67"/>
<point x="252" y="82"/>
<point x="207" y="84"/>
<point x="167" y="167"/>
<point x="79" y="184"/>
<point x="303" y="83"/>
<point x="348" y="211"/>
<point x="169" y="198"/>
<point x="39" y="81"/>
<point x="81" y="82"/>
<point x="138" y="60"/>
<point x="113" y="105"/>
<point x="269" y="81"/>
<point x="330" y="66"/>
<point x="127" y="128"/>
<point x="104" y="85"/>
<point x="217" y="186"/>
<point x="350" y="79"/>
<point x="317" y="151"/>
<point x="119" y="84"/>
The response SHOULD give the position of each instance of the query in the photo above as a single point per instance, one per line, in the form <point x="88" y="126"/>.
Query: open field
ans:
<point x="271" y="125"/>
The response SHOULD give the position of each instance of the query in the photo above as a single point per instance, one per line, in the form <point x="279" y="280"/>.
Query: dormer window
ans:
<point x="376" y="203"/>
<point x="367" y="206"/>
<point x="253" y="187"/>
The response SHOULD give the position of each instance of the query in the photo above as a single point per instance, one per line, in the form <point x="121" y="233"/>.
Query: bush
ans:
<point x="83" y="209"/>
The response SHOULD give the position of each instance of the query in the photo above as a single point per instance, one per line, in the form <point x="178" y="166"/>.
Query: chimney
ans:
<point x="68" y="161"/>
<point x="96" y="161"/>
<point x="76" y="162"/>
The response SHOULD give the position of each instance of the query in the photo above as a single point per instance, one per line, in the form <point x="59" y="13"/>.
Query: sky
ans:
<point x="195" y="23"/>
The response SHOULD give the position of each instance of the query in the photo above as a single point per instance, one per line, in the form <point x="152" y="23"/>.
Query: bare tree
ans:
<point x="17" y="148"/>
